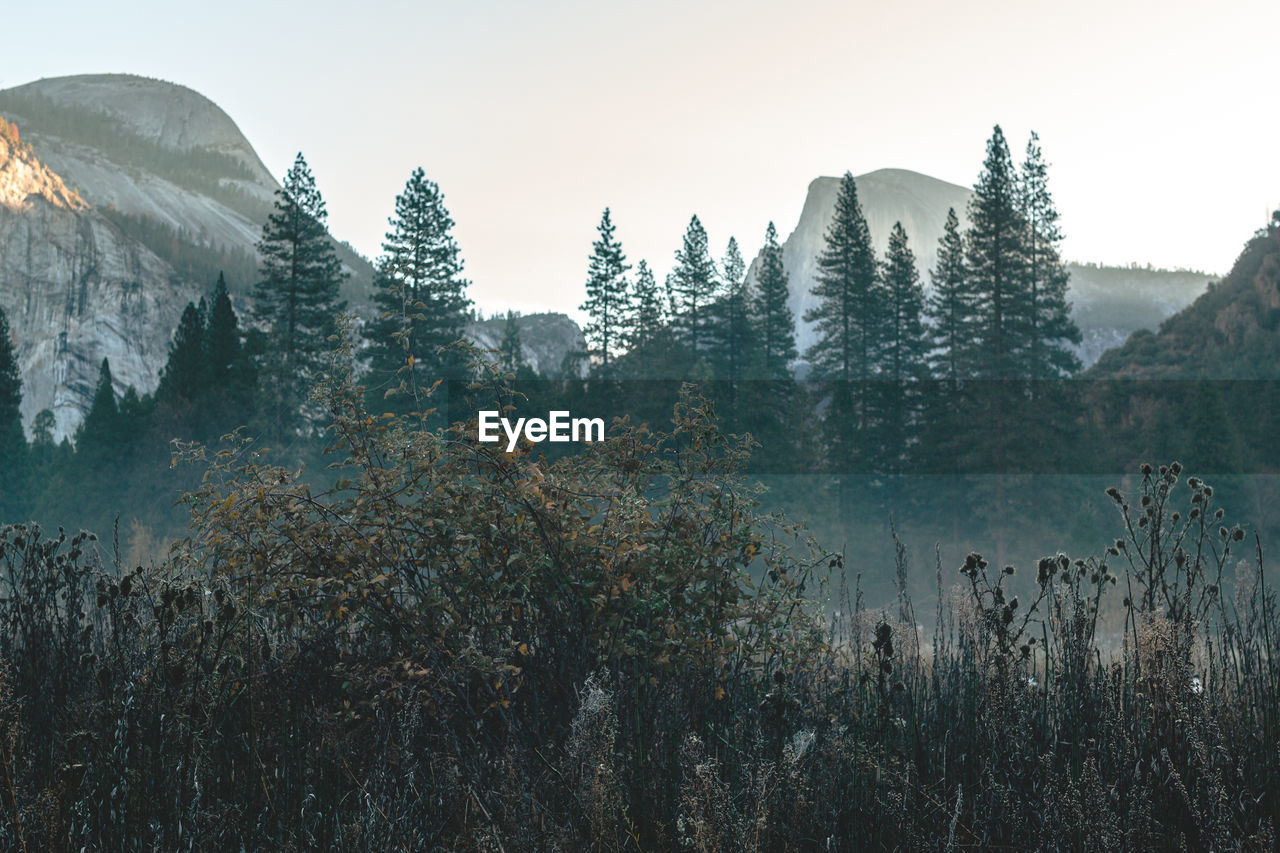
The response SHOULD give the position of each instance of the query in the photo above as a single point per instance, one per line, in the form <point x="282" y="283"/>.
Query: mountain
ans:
<point x="1108" y="303"/>
<point x="76" y="290"/>
<point x="122" y="199"/>
<point x="167" y="165"/>
<point x="1232" y="331"/>
<point x="545" y="339"/>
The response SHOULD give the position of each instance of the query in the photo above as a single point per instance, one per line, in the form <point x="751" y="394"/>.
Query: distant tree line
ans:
<point x="966" y="378"/>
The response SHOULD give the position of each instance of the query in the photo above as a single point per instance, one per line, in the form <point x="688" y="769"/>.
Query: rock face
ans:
<point x="88" y="153"/>
<point x="160" y="175"/>
<point x="545" y="339"/>
<point x="76" y="291"/>
<point x="1108" y="303"/>
<point x="162" y="152"/>
<point x="170" y="115"/>
<point x="155" y="159"/>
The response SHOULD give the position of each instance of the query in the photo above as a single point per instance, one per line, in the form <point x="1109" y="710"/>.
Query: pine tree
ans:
<point x="775" y="323"/>
<point x="731" y="335"/>
<point x="950" y="308"/>
<point x="99" y="434"/>
<point x="734" y="268"/>
<point x="652" y="350"/>
<point x="647" y="315"/>
<point x="955" y="354"/>
<point x="849" y="318"/>
<point x="693" y="286"/>
<point x="608" y="299"/>
<point x="13" y="443"/>
<point x="996" y="261"/>
<point x="421" y="292"/>
<point x="905" y="348"/>
<point x="1051" y="326"/>
<point x="850" y="309"/>
<point x="510" y="348"/>
<point x="297" y="296"/>
<point x="185" y="375"/>
<point x="301" y="274"/>
<point x="222" y="338"/>
<point x="903" y="360"/>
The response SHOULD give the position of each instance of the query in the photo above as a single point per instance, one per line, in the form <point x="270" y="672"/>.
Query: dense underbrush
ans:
<point x="458" y="648"/>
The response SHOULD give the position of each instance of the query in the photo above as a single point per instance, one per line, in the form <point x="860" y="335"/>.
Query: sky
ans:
<point x="1158" y="118"/>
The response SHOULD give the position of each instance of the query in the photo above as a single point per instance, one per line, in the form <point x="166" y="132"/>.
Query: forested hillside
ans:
<point x="1231" y="332"/>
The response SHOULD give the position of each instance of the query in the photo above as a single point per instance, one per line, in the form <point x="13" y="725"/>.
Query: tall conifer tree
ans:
<point x="905" y="347"/>
<point x="955" y="353"/>
<point x="693" y="286"/>
<point x="297" y="295"/>
<point x="1051" y="327"/>
<point x="732" y="335"/>
<point x="99" y="433"/>
<point x="608" y="299"/>
<point x="421" y="291"/>
<point x="996" y="261"/>
<point x="647" y="310"/>
<point x="775" y="323"/>
<point x="849" y="318"/>
<point x="904" y="354"/>
<point x="851" y="306"/>
<point x="185" y="375"/>
<point x="222" y="338"/>
<point x="950" y="307"/>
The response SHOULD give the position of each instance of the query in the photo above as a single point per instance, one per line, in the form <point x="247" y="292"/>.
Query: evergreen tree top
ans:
<point x="773" y="315"/>
<point x="300" y="187"/>
<point x="734" y="267"/>
<point x="851" y="303"/>
<point x="420" y="248"/>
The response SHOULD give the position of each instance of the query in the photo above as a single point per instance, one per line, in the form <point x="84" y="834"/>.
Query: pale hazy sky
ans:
<point x="1159" y="118"/>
